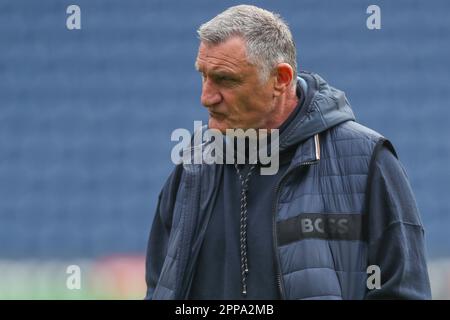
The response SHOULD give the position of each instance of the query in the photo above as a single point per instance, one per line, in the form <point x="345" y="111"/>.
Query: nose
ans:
<point x="210" y="95"/>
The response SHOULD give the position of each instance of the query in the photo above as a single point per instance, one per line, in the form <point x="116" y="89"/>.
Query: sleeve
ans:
<point x="395" y="232"/>
<point x="160" y="231"/>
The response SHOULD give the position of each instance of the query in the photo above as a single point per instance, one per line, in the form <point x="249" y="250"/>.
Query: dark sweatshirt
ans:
<point x="222" y="240"/>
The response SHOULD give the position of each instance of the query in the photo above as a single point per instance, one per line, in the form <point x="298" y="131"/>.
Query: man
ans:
<point x="338" y="220"/>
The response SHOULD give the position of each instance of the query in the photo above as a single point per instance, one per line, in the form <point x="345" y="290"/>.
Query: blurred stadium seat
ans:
<point x="86" y="118"/>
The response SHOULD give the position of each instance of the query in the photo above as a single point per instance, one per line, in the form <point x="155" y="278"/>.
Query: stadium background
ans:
<point x="86" y="117"/>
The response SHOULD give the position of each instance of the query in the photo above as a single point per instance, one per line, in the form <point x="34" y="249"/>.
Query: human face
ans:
<point x="232" y="90"/>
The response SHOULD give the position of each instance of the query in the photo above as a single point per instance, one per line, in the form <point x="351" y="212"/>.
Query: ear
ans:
<point x="283" y="78"/>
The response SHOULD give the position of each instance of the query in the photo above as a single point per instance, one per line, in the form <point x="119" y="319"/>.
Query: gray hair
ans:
<point x="268" y="38"/>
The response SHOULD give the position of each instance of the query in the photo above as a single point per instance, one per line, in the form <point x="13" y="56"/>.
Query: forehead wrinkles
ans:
<point x="217" y="58"/>
<point x="212" y="63"/>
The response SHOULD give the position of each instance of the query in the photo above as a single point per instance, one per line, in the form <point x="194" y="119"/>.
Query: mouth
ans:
<point x="216" y="115"/>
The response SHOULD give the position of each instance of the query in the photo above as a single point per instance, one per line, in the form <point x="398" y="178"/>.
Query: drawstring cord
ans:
<point x="243" y="226"/>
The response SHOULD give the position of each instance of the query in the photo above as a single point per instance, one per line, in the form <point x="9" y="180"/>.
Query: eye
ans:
<point x="224" y="79"/>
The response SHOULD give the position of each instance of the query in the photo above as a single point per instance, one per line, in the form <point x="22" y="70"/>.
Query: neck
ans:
<point x="284" y="106"/>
